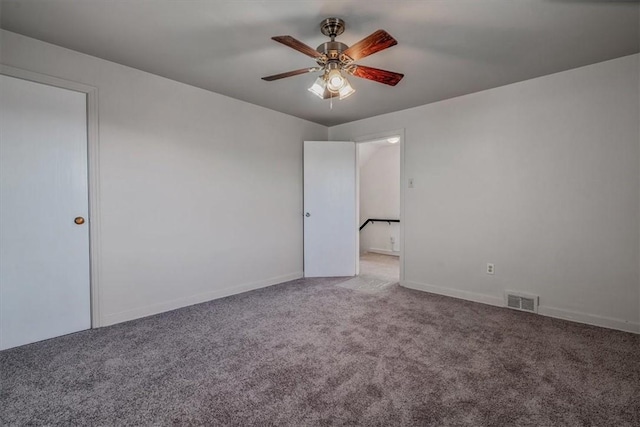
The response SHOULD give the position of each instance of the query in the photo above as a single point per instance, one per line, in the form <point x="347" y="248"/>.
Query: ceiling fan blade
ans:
<point x="381" y="76"/>
<point x="290" y="74"/>
<point x="371" y="44"/>
<point x="298" y="45"/>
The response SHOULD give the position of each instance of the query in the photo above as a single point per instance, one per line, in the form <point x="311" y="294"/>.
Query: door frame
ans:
<point x="93" y="174"/>
<point x="374" y="137"/>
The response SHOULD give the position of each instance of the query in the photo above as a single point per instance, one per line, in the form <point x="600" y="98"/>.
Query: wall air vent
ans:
<point x="520" y="301"/>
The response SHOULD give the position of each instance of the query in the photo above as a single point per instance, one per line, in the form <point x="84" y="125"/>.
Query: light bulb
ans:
<point x="393" y="140"/>
<point x="335" y="81"/>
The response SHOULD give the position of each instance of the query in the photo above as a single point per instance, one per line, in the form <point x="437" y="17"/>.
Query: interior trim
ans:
<point x="162" y="307"/>
<point x="557" y="313"/>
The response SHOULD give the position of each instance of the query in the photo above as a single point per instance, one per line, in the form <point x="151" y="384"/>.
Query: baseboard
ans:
<point x="558" y="313"/>
<point x="455" y="293"/>
<point x="136" y="313"/>
<point x="590" y="319"/>
<point x="383" y="252"/>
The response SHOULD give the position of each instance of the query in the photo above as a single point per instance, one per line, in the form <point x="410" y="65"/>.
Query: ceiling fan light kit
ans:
<point x="335" y="59"/>
<point x="335" y="80"/>
<point x="319" y="87"/>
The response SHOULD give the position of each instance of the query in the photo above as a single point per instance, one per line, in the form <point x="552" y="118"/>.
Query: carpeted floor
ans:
<point x="378" y="273"/>
<point x="308" y="352"/>
<point x="370" y="285"/>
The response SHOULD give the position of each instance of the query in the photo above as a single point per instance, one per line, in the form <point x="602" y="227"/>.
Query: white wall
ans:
<point x="379" y="196"/>
<point x="194" y="186"/>
<point x="539" y="177"/>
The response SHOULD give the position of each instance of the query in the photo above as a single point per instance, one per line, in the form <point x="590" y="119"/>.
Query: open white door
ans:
<point x="330" y="223"/>
<point x="44" y="244"/>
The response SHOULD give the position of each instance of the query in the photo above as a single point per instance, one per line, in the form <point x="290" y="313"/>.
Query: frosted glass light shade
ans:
<point x="346" y="90"/>
<point x="318" y="87"/>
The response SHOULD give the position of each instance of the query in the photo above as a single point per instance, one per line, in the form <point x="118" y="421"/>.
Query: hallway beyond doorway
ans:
<point x="378" y="274"/>
<point x="380" y="266"/>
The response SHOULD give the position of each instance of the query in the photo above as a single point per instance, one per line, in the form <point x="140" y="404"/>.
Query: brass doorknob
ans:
<point x="79" y="220"/>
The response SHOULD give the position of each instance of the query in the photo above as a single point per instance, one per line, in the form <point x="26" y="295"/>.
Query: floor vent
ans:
<point x="520" y="301"/>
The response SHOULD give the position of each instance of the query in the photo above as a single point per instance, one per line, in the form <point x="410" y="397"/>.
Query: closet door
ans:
<point x="44" y="230"/>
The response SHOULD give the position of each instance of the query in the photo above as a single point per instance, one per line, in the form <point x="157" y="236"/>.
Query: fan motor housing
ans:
<point x="332" y="49"/>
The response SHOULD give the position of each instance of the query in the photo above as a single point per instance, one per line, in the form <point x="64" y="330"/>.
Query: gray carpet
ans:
<point x="368" y="284"/>
<point x="308" y="352"/>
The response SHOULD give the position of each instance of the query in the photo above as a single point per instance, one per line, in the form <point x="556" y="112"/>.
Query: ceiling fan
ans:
<point x="335" y="58"/>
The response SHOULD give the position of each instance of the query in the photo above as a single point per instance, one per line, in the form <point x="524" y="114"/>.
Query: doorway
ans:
<point x="331" y="218"/>
<point x="379" y="202"/>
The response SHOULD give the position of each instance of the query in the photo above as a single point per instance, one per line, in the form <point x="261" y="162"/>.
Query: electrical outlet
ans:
<point x="491" y="269"/>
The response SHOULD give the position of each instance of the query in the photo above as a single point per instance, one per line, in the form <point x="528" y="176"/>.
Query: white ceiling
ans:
<point x="446" y="48"/>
